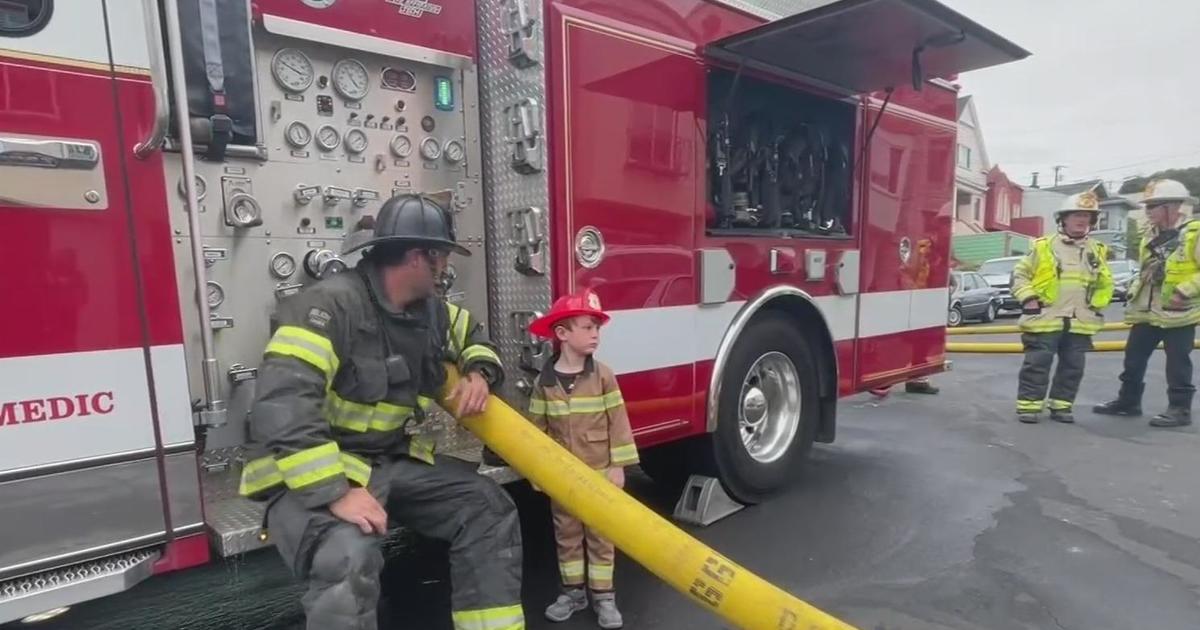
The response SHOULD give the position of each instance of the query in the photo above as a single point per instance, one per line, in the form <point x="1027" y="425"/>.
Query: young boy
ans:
<point x="578" y="403"/>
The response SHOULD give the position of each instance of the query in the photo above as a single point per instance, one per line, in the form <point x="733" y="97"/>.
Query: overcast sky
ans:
<point x="1111" y="90"/>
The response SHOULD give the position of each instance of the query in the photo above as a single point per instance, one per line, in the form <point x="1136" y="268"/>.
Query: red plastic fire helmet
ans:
<point x="584" y="302"/>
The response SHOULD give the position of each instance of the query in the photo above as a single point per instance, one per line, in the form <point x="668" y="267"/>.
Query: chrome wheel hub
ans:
<point x="769" y="409"/>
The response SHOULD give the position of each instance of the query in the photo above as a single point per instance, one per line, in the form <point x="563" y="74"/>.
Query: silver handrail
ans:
<point x="158" y="79"/>
<point x="214" y="411"/>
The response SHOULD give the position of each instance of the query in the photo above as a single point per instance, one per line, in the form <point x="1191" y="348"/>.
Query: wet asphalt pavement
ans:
<point x="927" y="513"/>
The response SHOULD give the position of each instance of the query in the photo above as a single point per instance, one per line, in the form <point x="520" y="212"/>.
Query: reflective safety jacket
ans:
<point x="591" y="421"/>
<point x="1070" y="278"/>
<point x="343" y="376"/>
<point x="1169" y="265"/>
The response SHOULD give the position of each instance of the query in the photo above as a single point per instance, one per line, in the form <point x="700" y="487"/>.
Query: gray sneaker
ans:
<point x="605" y="605"/>
<point x="567" y="604"/>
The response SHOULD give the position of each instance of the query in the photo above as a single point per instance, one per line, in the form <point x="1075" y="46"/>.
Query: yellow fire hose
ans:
<point x="1017" y="348"/>
<point x="708" y="578"/>
<point x="1001" y="330"/>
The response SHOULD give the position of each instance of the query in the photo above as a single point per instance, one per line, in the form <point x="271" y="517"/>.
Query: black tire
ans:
<point x="955" y="317"/>
<point x="989" y="314"/>
<point x="744" y="478"/>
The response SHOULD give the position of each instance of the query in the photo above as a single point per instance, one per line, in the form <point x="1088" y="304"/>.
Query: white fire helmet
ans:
<point x="1086" y="201"/>
<point x="1166" y="190"/>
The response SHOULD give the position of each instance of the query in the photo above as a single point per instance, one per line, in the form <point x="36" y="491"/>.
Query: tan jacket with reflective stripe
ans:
<point x="591" y="421"/>
<point x="1079" y="272"/>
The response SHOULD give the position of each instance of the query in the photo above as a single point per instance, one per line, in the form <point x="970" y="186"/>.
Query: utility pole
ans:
<point x="1057" y="169"/>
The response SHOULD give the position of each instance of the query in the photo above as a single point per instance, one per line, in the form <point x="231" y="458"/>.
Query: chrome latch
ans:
<point x="239" y="373"/>
<point x="523" y="40"/>
<point x="242" y="210"/>
<point x="527" y="236"/>
<point x="532" y="349"/>
<point x="525" y="124"/>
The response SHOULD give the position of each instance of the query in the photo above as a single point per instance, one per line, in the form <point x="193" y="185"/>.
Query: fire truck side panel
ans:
<point x="93" y="400"/>
<point x="446" y="25"/>
<point x="626" y="105"/>
<point x="907" y="229"/>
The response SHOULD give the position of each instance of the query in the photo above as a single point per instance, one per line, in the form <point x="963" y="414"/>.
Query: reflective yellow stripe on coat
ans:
<point x="500" y="618"/>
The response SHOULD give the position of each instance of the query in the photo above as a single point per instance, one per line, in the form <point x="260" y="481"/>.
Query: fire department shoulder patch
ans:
<point x="319" y="318"/>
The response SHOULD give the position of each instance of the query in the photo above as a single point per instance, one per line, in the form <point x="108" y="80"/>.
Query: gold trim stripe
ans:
<point x="72" y="63"/>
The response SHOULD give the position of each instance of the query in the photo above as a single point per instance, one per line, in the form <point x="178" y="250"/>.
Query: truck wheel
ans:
<point x="768" y="410"/>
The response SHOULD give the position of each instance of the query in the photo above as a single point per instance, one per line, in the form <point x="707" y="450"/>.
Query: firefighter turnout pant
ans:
<point x="572" y="537"/>
<point x="1177" y="344"/>
<point x="1040" y="350"/>
<point x="447" y="501"/>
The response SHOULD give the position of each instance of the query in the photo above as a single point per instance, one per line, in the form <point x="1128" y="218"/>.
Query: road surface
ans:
<point x="928" y="513"/>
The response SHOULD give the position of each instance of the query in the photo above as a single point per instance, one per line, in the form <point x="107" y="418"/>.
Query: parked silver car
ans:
<point x="971" y="297"/>
<point x="998" y="273"/>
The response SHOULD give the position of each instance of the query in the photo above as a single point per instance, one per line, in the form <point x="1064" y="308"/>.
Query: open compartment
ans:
<point x="778" y="158"/>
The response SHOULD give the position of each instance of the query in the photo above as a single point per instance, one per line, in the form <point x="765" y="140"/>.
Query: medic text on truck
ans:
<point x="763" y="204"/>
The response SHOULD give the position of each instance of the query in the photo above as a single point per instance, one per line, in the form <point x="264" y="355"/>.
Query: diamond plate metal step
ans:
<point x="68" y="586"/>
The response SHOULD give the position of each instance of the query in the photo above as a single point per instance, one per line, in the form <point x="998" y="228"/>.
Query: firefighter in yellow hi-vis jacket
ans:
<point x="1063" y="284"/>
<point x="1163" y="305"/>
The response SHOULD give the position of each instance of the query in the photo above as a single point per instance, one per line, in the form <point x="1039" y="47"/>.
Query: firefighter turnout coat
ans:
<point x="1170" y="263"/>
<point x="1070" y="278"/>
<point x="343" y="376"/>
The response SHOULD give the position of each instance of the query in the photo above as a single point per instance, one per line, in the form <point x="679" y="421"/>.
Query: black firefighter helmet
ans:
<point x="408" y="219"/>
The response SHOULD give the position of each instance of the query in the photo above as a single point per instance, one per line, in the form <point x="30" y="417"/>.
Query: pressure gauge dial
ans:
<point x="350" y="79"/>
<point x="214" y="294"/>
<point x="431" y="149"/>
<point x="356" y="141"/>
<point x="328" y="138"/>
<point x="292" y="69"/>
<point x="298" y="134"/>
<point x="283" y="265"/>
<point x="454" y="151"/>
<point x="401" y="146"/>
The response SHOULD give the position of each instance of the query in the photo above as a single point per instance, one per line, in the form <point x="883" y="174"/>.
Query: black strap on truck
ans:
<point x="214" y="71"/>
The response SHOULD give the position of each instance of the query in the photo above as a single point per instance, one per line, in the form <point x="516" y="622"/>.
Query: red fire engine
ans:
<point x="762" y="202"/>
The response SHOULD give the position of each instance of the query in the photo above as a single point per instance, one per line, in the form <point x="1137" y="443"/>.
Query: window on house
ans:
<point x="978" y="209"/>
<point x="964" y="156"/>
<point x="654" y="142"/>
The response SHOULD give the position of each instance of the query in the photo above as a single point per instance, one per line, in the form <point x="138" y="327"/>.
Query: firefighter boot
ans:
<point x="607" y="615"/>
<point x="571" y="601"/>
<point x="1029" y="418"/>
<point x="1062" y="415"/>
<point x="1127" y="403"/>
<point x="1172" y="417"/>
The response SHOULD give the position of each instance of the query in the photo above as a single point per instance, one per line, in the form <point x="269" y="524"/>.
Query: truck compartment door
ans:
<point x="860" y="46"/>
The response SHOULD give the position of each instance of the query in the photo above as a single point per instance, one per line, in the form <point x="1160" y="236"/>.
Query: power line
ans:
<point x="1146" y="161"/>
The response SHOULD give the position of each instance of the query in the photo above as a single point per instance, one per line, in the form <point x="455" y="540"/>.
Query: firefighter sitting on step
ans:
<point x="578" y="403"/>
<point x="357" y="358"/>
<point x="1163" y="305"/>
<point x="1063" y="284"/>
